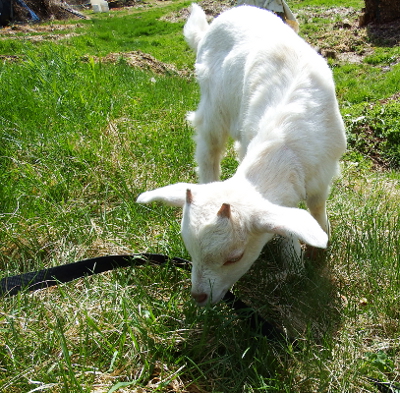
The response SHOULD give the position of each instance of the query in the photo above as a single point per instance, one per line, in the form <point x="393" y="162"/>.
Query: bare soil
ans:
<point x="341" y="36"/>
<point x="39" y="32"/>
<point x="143" y="61"/>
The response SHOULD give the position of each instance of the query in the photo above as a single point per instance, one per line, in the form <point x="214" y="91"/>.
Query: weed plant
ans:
<point x="80" y="139"/>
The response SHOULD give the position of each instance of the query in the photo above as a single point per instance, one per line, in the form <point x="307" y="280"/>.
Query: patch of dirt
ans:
<point x="124" y="3"/>
<point x="32" y="32"/>
<point x="212" y="9"/>
<point x="143" y="61"/>
<point x="341" y="38"/>
<point x="394" y="97"/>
<point x="27" y="28"/>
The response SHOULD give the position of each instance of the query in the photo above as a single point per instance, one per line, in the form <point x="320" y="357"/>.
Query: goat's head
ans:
<point x="224" y="232"/>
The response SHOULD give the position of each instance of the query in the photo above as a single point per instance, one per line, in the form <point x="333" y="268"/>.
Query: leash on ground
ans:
<point x="46" y="278"/>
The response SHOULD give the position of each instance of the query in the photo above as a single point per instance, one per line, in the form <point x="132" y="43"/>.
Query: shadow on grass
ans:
<point x="302" y="302"/>
<point x="232" y="355"/>
<point x="385" y="35"/>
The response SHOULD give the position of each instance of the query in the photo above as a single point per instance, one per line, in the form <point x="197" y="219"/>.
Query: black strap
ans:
<point x="45" y="278"/>
<point x="64" y="273"/>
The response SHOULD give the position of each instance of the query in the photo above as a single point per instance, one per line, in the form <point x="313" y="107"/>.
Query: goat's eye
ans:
<point x="233" y="260"/>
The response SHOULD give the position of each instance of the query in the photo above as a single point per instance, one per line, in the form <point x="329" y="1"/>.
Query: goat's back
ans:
<point x="257" y="75"/>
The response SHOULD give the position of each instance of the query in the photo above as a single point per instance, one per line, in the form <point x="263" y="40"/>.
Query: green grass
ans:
<point x="298" y="4"/>
<point x="356" y="84"/>
<point x="139" y="31"/>
<point x="374" y="131"/>
<point x="80" y="139"/>
<point x="119" y="31"/>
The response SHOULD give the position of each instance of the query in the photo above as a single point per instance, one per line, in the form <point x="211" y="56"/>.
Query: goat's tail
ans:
<point x="195" y="27"/>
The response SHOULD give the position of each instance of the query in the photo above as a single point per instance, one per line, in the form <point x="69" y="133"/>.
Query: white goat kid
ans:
<point x="269" y="90"/>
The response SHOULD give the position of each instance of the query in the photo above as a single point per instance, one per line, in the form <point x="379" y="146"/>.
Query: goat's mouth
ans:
<point x="202" y="299"/>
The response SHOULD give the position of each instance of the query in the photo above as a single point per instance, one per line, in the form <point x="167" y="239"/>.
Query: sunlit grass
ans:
<point x="79" y="140"/>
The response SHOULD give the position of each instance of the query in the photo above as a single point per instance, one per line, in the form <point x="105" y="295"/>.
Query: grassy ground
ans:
<point x="81" y="138"/>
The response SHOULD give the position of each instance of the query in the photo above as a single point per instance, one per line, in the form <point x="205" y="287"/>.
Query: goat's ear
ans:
<point x="189" y="196"/>
<point x="224" y="211"/>
<point x="286" y="221"/>
<point x="173" y="195"/>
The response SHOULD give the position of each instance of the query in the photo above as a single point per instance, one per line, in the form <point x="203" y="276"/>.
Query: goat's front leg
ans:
<point x="291" y="254"/>
<point x="209" y="153"/>
<point x="317" y="207"/>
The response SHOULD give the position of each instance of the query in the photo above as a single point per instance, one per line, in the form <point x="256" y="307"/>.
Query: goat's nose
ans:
<point x="199" y="297"/>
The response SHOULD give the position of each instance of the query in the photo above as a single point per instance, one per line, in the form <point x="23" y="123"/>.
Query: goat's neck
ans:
<point x="274" y="171"/>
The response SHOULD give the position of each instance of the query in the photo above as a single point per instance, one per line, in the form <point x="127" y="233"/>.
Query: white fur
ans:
<point x="270" y="91"/>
